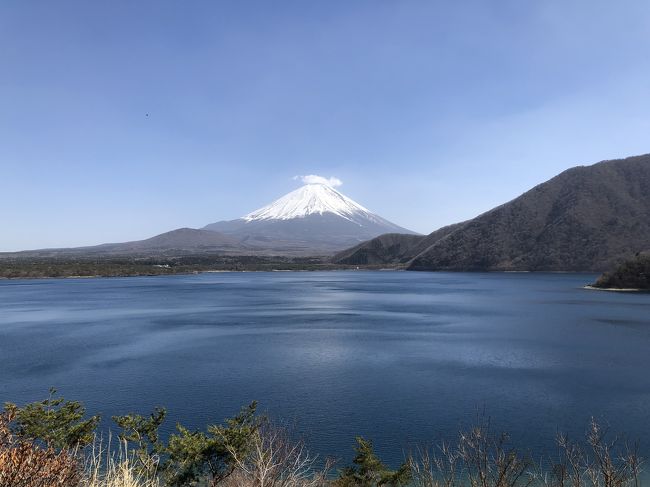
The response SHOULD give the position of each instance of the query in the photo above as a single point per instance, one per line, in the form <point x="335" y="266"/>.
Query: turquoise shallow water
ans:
<point x="402" y="358"/>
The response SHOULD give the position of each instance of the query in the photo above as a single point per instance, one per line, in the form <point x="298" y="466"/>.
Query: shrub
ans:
<point x="274" y="459"/>
<point x="56" y="422"/>
<point x="483" y="459"/>
<point x="369" y="471"/>
<point x="143" y="432"/>
<point x="195" y="455"/>
<point x="26" y="464"/>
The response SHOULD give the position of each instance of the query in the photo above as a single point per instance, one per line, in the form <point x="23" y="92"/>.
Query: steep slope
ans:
<point x="391" y="248"/>
<point x="313" y="218"/>
<point x="586" y="218"/>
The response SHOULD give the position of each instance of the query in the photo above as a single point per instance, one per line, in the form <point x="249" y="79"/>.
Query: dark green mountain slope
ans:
<point x="588" y="218"/>
<point x="391" y="248"/>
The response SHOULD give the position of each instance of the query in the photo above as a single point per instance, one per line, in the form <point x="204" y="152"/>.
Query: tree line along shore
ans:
<point x="631" y="274"/>
<point x="44" y="267"/>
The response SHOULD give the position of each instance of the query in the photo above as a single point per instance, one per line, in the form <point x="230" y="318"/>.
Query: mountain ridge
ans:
<point x="586" y="218"/>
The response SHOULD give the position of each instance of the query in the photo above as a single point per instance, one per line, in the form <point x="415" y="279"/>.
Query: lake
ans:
<point x="402" y="358"/>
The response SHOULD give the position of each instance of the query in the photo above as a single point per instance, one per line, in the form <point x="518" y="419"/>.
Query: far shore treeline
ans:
<point x="54" y="443"/>
<point x="45" y="267"/>
<point x="632" y="274"/>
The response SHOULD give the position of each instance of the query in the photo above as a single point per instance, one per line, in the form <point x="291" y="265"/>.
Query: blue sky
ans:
<point x="430" y="112"/>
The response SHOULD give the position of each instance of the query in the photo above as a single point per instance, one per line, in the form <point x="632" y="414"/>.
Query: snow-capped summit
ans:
<point x="311" y="199"/>
<point x="312" y="218"/>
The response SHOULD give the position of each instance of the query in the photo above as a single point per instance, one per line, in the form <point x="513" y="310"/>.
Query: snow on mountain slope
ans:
<point x="312" y="219"/>
<point x="309" y="200"/>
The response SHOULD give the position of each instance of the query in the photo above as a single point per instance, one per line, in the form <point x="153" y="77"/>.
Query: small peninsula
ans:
<point x="632" y="275"/>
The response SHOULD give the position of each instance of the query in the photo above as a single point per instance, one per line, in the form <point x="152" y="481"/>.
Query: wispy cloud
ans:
<point x="316" y="179"/>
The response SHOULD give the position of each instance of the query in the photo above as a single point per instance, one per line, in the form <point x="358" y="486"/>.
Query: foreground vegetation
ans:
<point x="631" y="274"/>
<point x="53" y="443"/>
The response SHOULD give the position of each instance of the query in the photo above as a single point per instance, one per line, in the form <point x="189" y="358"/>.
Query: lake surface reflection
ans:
<point x="402" y="358"/>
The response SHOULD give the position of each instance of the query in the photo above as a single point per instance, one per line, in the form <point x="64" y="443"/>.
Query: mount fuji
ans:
<point x="313" y="218"/>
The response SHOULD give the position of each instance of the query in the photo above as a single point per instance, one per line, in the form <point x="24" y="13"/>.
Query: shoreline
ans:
<point x="331" y="269"/>
<point x="189" y="273"/>
<point x="616" y="289"/>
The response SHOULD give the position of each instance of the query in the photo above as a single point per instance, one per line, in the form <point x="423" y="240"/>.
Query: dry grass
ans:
<point x="107" y="467"/>
<point x="23" y="463"/>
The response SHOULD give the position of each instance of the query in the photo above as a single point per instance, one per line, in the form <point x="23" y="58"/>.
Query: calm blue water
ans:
<point x="402" y="358"/>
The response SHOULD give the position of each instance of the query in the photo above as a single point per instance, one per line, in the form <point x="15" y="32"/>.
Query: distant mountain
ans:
<point x="587" y="218"/>
<point x="177" y="242"/>
<point x="182" y="239"/>
<point x="313" y="218"/>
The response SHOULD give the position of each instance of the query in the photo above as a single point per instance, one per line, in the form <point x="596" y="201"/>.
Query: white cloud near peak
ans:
<point x="316" y="179"/>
